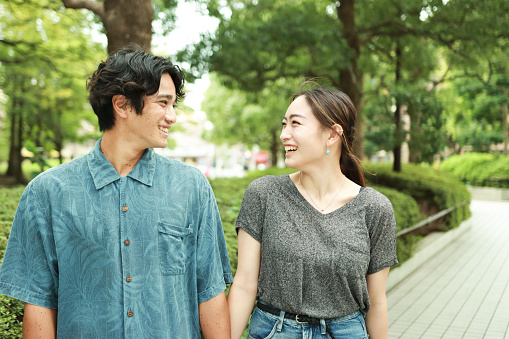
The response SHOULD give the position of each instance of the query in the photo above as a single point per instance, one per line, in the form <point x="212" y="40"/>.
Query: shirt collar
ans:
<point x="103" y="172"/>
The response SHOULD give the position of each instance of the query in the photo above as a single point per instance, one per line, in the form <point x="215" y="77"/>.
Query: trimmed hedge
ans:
<point x="433" y="190"/>
<point x="229" y="193"/>
<point x="11" y="310"/>
<point x="404" y="190"/>
<point x="479" y="169"/>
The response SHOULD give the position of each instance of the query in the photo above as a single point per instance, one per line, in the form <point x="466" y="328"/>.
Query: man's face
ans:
<point x="150" y="129"/>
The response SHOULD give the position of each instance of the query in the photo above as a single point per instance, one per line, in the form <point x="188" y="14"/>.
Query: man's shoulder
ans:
<point x="62" y="172"/>
<point x="178" y="168"/>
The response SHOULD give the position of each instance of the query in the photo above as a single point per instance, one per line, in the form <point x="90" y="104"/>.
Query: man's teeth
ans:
<point x="164" y="129"/>
<point x="290" y="149"/>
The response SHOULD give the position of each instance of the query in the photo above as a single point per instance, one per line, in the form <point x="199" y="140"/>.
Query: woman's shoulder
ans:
<point x="268" y="182"/>
<point x="375" y="199"/>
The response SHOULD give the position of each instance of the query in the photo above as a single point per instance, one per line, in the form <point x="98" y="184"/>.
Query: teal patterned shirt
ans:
<point x="119" y="257"/>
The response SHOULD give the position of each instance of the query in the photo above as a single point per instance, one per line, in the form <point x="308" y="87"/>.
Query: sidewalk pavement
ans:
<point x="462" y="291"/>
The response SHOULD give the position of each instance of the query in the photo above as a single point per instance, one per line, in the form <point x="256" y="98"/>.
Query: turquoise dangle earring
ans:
<point x="327" y="152"/>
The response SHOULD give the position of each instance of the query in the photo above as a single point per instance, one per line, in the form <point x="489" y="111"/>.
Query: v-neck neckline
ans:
<point x="309" y="206"/>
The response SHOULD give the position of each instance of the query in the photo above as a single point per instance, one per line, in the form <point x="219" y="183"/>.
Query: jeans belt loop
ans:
<point x="323" y="326"/>
<point x="279" y="327"/>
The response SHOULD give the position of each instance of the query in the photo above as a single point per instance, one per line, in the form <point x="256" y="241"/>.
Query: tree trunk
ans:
<point x="16" y="141"/>
<point x="274" y="147"/>
<point x="350" y="80"/>
<point x="59" y="139"/>
<point x="125" y="21"/>
<point x="396" y="166"/>
<point x="128" y="21"/>
<point x="505" y="123"/>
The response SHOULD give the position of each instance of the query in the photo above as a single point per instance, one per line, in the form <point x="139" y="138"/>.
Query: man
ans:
<point x="121" y="243"/>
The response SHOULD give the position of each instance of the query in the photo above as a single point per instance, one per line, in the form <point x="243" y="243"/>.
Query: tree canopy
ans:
<point x="399" y="53"/>
<point x="46" y="57"/>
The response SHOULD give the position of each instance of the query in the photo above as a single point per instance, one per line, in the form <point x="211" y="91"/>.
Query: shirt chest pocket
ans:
<point x="173" y="243"/>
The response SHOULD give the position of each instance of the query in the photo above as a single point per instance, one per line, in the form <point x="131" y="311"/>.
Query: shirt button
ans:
<point x="127" y="242"/>
<point x="129" y="278"/>
<point x="124" y="208"/>
<point x="130" y="313"/>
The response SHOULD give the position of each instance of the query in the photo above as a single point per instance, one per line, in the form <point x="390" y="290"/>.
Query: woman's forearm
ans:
<point x="241" y="301"/>
<point x="377" y="322"/>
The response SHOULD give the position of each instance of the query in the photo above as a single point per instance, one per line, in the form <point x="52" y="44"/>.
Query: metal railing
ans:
<point x="430" y="219"/>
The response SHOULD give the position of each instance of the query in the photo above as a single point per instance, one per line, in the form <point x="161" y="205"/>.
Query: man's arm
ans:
<point x="215" y="317"/>
<point x="39" y="322"/>
<point x="377" y="322"/>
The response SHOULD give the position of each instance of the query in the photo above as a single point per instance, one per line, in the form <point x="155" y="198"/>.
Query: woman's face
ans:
<point x="304" y="138"/>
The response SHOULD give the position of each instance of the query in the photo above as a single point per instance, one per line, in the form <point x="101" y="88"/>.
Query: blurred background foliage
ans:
<point x="429" y="75"/>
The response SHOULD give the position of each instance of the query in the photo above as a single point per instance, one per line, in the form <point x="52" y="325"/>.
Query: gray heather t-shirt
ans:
<point x="312" y="263"/>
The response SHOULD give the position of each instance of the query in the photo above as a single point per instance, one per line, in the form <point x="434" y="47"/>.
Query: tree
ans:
<point x="479" y="74"/>
<point x="260" y="41"/>
<point x="44" y="86"/>
<point x="253" y="118"/>
<point x="128" y="21"/>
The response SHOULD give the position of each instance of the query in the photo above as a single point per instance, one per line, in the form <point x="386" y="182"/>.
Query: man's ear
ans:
<point x="336" y="131"/>
<point x="121" y="105"/>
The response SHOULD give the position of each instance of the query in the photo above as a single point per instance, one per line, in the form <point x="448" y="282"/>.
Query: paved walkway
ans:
<point x="463" y="291"/>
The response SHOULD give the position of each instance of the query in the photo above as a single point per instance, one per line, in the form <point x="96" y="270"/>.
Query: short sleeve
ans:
<point x="382" y="232"/>
<point x="213" y="264"/>
<point x="29" y="270"/>
<point x="251" y="215"/>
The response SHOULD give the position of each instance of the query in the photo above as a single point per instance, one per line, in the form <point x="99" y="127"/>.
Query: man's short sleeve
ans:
<point x="29" y="270"/>
<point x="213" y="264"/>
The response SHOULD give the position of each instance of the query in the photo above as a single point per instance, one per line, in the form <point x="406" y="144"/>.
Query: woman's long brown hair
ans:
<point x="330" y="107"/>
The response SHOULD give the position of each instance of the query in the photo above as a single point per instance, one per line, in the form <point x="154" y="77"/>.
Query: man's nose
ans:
<point x="171" y="115"/>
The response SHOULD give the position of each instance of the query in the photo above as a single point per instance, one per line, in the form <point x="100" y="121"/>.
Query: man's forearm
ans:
<point x="39" y="322"/>
<point x="215" y="318"/>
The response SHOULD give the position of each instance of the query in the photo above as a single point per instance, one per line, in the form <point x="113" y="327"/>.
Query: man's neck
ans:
<point x="120" y="153"/>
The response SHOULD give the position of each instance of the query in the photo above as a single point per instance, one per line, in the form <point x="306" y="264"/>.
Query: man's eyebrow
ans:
<point x="166" y="96"/>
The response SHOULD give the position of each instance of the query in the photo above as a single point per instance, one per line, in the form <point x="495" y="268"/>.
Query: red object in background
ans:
<point x="262" y="158"/>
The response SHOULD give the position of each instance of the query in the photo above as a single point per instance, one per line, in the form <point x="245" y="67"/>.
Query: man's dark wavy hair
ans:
<point x="133" y="73"/>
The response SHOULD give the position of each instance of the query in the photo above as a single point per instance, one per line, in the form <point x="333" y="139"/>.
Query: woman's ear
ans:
<point x="120" y="105"/>
<point x="336" y="131"/>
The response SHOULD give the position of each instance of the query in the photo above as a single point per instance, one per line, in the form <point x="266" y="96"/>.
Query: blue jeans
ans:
<point x="264" y="325"/>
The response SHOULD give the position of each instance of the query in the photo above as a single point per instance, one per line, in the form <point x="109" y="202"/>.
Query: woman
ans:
<point x="315" y="246"/>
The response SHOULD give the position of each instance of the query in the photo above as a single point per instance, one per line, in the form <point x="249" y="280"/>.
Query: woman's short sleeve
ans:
<point x="382" y="232"/>
<point x="252" y="211"/>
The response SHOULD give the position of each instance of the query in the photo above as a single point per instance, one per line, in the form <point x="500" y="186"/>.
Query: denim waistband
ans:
<point x="328" y="320"/>
<point x="304" y="319"/>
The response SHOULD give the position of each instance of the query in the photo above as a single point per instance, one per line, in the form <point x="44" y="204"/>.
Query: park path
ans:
<point x="463" y="291"/>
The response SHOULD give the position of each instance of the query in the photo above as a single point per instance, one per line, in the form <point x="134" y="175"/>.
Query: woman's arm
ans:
<point x="377" y="322"/>
<point x="39" y="322"/>
<point x="242" y="295"/>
